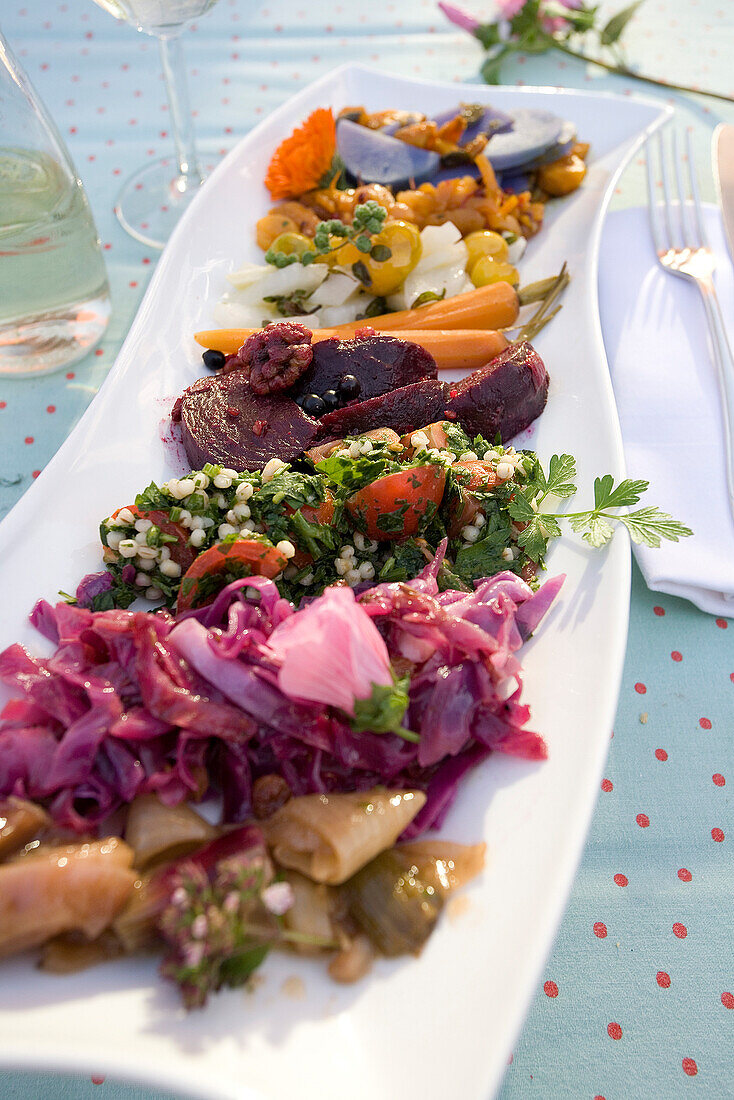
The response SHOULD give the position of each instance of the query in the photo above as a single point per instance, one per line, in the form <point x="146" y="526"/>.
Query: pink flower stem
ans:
<point x="622" y="70"/>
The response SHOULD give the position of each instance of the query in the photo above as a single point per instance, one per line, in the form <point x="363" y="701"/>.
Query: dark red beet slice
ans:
<point x="223" y="421"/>
<point x="505" y="396"/>
<point x="381" y="363"/>
<point x="401" y="409"/>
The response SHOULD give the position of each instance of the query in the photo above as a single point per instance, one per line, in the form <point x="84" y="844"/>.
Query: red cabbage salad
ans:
<point x="402" y="686"/>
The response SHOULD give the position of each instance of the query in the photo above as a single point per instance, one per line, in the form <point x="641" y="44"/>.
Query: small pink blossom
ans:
<point x="199" y="927"/>
<point x="193" y="954"/>
<point x="510" y="8"/>
<point x="459" y="17"/>
<point x="331" y="652"/>
<point x="278" y="898"/>
<point x="552" y="24"/>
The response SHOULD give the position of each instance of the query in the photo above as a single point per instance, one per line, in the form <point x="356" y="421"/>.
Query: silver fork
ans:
<point x="683" y="250"/>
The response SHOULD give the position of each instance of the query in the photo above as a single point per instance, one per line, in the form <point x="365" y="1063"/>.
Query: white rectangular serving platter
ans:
<point x="441" y="1025"/>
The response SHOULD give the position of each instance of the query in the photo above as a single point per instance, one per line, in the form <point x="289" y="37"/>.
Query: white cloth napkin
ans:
<point x="667" y="394"/>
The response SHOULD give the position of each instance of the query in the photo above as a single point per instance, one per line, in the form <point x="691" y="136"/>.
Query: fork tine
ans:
<point x="673" y="239"/>
<point x="653" y="205"/>
<point x="689" y="231"/>
<point x="702" y="239"/>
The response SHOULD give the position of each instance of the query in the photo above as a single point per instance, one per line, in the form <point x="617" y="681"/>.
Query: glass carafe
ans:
<point x="54" y="295"/>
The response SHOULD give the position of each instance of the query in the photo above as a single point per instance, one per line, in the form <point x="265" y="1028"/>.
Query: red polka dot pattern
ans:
<point x="109" y="103"/>
<point x="607" y="785"/>
<point x="685" y="875"/>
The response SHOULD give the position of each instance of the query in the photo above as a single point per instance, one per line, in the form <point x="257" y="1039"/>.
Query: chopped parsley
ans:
<point x="384" y="536"/>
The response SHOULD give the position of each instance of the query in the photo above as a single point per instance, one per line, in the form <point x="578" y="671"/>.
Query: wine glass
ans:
<point x="154" y="198"/>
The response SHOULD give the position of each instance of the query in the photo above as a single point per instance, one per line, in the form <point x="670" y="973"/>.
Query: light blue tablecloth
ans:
<point x="638" y="994"/>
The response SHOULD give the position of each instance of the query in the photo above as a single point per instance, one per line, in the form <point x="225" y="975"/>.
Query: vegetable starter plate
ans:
<point x="442" y="1024"/>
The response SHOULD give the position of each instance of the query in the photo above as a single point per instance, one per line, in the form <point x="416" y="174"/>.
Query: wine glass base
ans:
<point x="152" y="201"/>
<point x="32" y="346"/>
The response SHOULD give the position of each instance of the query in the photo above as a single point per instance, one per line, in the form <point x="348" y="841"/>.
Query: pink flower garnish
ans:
<point x="331" y="652"/>
<point x="510" y="8"/>
<point x="459" y="17"/>
<point x="555" y="23"/>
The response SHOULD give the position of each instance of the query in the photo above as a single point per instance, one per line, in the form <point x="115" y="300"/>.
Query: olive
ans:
<point x="300" y="399"/>
<point x="331" y="399"/>
<point x="313" y="405"/>
<point x="213" y="360"/>
<point x="349" y="387"/>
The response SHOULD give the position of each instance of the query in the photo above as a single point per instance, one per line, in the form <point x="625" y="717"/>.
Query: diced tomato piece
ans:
<point x="435" y="433"/>
<point x="181" y="552"/>
<point x="481" y="475"/>
<point x="242" y="558"/>
<point x="394" y="506"/>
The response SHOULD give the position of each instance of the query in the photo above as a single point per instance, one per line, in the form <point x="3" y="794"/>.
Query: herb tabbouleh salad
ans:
<point x="366" y="509"/>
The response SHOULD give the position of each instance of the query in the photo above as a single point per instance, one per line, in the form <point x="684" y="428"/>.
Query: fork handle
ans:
<point x="724" y="362"/>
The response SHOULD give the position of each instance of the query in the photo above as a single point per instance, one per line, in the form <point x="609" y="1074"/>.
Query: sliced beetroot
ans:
<point x="223" y="421"/>
<point x="505" y="396"/>
<point x="372" y="157"/>
<point x="533" y="133"/>
<point x="380" y="363"/>
<point x="402" y="409"/>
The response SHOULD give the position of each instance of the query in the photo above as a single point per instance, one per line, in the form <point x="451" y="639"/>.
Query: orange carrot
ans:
<point x="487" y="307"/>
<point x="453" y="349"/>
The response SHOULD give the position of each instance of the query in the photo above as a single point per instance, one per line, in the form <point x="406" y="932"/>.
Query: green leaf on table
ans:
<point x="612" y="31"/>
<point x="490" y="70"/>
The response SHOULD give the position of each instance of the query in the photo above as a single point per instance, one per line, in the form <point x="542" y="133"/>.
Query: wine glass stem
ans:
<point x="174" y="73"/>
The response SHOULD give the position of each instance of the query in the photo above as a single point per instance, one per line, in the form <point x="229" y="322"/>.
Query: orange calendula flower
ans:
<point x="301" y="161"/>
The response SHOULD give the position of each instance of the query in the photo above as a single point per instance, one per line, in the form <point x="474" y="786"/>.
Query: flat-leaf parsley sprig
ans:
<point x="647" y="525"/>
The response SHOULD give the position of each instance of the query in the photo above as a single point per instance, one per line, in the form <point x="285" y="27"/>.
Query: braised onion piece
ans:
<point x="74" y="887"/>
<point x="443" y="864"/>
<point x="136" y="925"/>
<point x="393" y="905"/>
<point x="329" y="837"/>
<point x="353" y="961"/>
<point x="69" y="954"/>
<point x="20" y="822"/>
<point x="310" y="915"/>
<point x="159" y="833"/>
